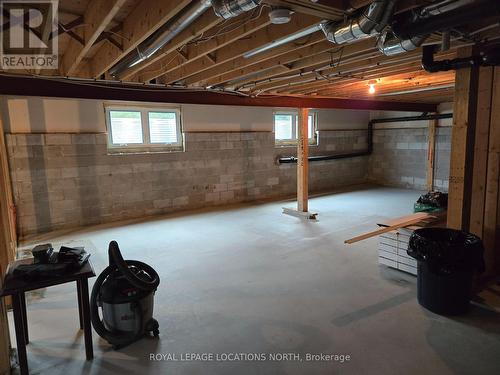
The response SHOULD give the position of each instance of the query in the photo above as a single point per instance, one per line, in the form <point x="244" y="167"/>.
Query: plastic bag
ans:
<point x="447" y="250"/>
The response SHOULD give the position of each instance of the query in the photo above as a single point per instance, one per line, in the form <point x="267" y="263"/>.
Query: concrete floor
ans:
<point x="248" y="279"/>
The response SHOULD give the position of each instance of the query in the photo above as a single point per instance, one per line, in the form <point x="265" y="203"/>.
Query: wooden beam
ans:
<point x="7" y="248"/>
<point x="462" y="145"/>
<point x="302" y="161"/>
<point x="481" y="150"/>
<point x="31" y="86"/>
<point x="207" y="21"/>
<point x="97" y="17"/>
<point x="280" y="56"/>
<point x="404" y="222"/>
<point x="239" y="47"/>
<point x="145" y="19"/>
<point x="431" y="146"/>
<point x="7" y="208"/>
<point x="491" y="226"/>
<point x="196" y="52"/>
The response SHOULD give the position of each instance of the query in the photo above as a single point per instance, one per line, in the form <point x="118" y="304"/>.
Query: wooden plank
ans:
<point x="462" y="145"/>
<point x="145" y="19"/>
<point x="30" y="86"/>
<point x="431" y="147"/>
<point x="481" y="150"/>
<point x="237" y="48"/>
<point x="302" y="160"/>
<point x="6" y="250"/>
<point x="299" y="214"/>
<point x="424" y="216"/>
<point x="492" y="180"/>
<point x="401" y="224"/>
<point x="7" y="208"/>
<point x="97" y="17"/>
<point x="196" y="52"/>
<point x="207" y="21"/>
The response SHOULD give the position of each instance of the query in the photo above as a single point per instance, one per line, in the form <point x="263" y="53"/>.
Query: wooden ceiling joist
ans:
<point x="144" y="20"/>
<point x="97" y="17"/>
<point x="280" y="59"/>
<point x="197" y="51"/>
<point x="202" y="25"/>
<point x="240" y="47"/>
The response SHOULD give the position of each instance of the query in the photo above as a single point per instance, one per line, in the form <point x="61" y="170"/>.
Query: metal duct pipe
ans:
<point x="369" y="149"/>
<point x="286" y="39"/>
<point x="232" y="8"/>
<point x="160" y="38"/>
<point x="392" y="45"/>
<point x="445" y="21"/>
<point x="372" y="21"/>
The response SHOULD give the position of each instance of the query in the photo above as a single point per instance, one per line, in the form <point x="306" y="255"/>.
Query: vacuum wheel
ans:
<point x="154" y="327"/>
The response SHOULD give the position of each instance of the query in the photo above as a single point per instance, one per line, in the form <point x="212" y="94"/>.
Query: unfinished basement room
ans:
<point x="239" y="187"/>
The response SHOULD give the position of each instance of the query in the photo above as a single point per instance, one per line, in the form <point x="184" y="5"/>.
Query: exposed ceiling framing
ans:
<point x="210" y="53"/>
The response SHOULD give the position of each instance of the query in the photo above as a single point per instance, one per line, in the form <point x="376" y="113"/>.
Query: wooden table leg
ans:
<point x="17" y="307"/>
<point x="79" y="292"/>
<point x="85" y="307"/>
<point x="25" y="317"/>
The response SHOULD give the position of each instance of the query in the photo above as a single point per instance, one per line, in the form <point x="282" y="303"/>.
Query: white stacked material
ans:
<point x="392" y="248"/>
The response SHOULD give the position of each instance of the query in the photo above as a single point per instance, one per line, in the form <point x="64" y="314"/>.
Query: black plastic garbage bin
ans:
<point x="447" y="261"/>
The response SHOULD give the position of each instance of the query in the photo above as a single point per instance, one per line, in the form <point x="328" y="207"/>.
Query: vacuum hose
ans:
<point x="117" y="338"/>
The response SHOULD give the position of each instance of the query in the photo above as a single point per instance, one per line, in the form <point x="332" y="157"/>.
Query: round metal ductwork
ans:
<point x="232" y="8"/>
<point x="280" y="16"/>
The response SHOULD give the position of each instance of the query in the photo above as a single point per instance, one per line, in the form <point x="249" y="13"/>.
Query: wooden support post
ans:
<point x="462" y="145"/>
<point x="302" y="160"/>
<point x="485" y="85"/>
<point x="491" y="225"/>
<point x="7" y="248"/>
<point x="431" y="154"/>
<point x="7" y="208"/>
<point x="474" y="198"/>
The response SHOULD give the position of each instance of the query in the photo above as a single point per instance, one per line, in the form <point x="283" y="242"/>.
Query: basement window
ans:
<point x="142" y="129"/>
<point x="286" y="128"/>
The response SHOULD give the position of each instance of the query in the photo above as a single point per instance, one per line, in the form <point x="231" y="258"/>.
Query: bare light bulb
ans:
<point x="371" y="88"/>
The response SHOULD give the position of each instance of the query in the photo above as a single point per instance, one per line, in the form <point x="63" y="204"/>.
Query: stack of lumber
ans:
<point x="394" y="235"/>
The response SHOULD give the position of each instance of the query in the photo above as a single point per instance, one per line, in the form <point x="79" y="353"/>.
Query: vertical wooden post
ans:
<point x="7" y="211"/>
<point x="474" y="198"/>
<point x="6" y="252"/>
<point x="480" y="167"/>
<point x="431" y="154"/>
<point x="302" y="160"/>
<point x="462" y="144"/>
<point x="491" y="225"/>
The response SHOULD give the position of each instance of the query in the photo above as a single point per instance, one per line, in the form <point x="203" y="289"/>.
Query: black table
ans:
<point x="16" y="287"/>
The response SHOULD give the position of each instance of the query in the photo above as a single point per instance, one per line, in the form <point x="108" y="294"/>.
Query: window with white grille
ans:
<point x="286" y="128"/>
<point x="143" y="129"/>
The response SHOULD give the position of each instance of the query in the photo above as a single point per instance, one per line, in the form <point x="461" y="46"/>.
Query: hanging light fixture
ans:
<point x="371" y="86"/>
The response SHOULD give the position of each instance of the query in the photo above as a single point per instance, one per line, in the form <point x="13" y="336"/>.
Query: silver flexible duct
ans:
<point x="232" y="8"/>
<point x="391" y="45"/>
<point x="223" y="8"/>
<point x="159" y="39"/>
<point x="371" y="22"/>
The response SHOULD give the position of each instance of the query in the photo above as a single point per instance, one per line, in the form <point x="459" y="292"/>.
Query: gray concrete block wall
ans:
<point x="399" y="158"/>
<point x="70" y="180"/>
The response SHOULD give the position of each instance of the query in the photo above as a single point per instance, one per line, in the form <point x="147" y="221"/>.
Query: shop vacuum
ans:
<point x="124" y="292"/>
